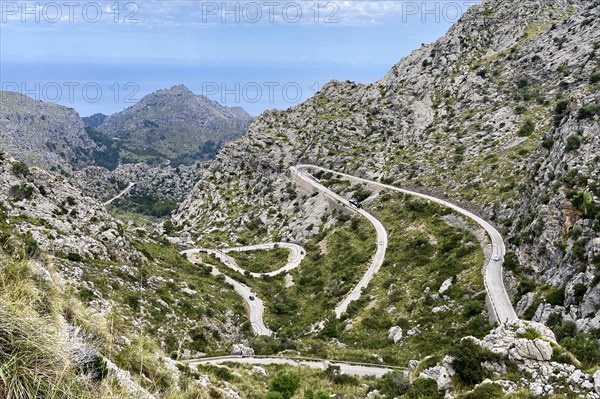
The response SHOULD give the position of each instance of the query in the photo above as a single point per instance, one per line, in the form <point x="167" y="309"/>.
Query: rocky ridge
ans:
<point x="43" y="134"/>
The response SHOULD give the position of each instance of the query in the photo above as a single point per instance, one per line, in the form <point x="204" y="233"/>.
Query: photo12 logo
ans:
<point x="253" y="12"/>
<point x="75" y="92"/>
<point x="435" y="11"/>
<point x="68" y="11"/>
<point x="255" y="92"/>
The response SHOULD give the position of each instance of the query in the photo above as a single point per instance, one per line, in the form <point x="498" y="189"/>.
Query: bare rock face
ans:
<point x="43" y="134"/>
<point x="444" y="379"/>
<point x="533" y="350"/>
<point x="59" y="217"/>
<point x="512" y="340"/>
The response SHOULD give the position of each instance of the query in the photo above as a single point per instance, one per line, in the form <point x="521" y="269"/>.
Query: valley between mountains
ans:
<point x="434" y="234"/>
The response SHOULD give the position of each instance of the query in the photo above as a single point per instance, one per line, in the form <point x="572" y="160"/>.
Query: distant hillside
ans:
<point x="94" y="121"/>
<point x="174" y="125"/>
<point x="43" y="134"/>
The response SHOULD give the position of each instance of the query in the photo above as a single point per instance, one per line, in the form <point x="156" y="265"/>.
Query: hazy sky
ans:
<point x="102" y="56"/>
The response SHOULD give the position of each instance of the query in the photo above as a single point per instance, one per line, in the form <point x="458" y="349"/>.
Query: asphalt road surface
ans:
<point x="255" y="305"/>
<point x="501" y="307"/>
<point x="122" y="193"/>
<point x="499" y="302"/>
<point x="361" y="370"/>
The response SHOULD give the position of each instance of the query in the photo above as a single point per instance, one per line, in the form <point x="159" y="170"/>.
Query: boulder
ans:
<point x="532" y="350"/>
<point x="445" y="285"/>
<point x="395" y="334"/>
<point x="597" y="381"/>
<point x="576" y="377"/>
<point x="508" y="387"/>
<point x="432" y="373"/>
<point x="260" y="370"/>
<point x="444" y="380"/>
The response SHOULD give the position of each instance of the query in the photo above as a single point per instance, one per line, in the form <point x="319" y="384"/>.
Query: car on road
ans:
<point x="496" y="258"/>
<point x="251" y="297"/>
<point x="354" y="204"/>
<point x="381" y="242"/>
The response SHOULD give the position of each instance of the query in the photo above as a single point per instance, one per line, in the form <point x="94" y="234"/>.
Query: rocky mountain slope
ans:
<point x="166" y="182"/>
<point x="93" y="121"/>
<point x="43" y="134"/>
<point x="115" y="266"/>
<point x="176" y="125"/>
<point x="501" y="114"/>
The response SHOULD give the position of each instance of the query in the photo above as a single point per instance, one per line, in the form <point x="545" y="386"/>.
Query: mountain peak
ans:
<point x="176" y="90"/>
<point x="178" y="124"/>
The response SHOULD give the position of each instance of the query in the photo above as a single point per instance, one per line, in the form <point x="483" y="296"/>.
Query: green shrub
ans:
<point x="361" y="194"/>
<point x="20" y="169"/>
<point x="573" y="142"/>
<point x="565" y="330"/>
<point x="20" y="192"/>
<point x="423" y="388"/>
<point x="310" y="394"/>
<point x="285" y="384"/>
<point x="393" y="384"/>
<point x="585" y="347"/>
<point x="75" y="257"/>
<point x="468" y="362"/>
<point x="30" y="244"/>
<point x="560" y="110"/>
<point x="511" y="261"/>
<point x="530" y="334"/>
<point x="579" y="250"/>
<point x="547" y="143"/>
<point x="588" y="111"/>
<point x="556" y="296"/>
<point x="484" y="391"/>
<point x="595" y="77"/>
<point x="560" y="355"/>
<point x="522" y="83"/>
<point x="472" y="308"/>
<point x="527" y="129"/>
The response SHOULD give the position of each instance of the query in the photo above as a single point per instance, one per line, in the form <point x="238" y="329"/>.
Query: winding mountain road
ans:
<point x="498" y="302"/>
<point x="349" y="368"/>
<point x="500" y="307"/>
<point x="122" y="193"/>
<point x="297" y="254"/>
<point x="382" y="238"/>
<point x="255" y="305"/>
<point x="256" y="308"/>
